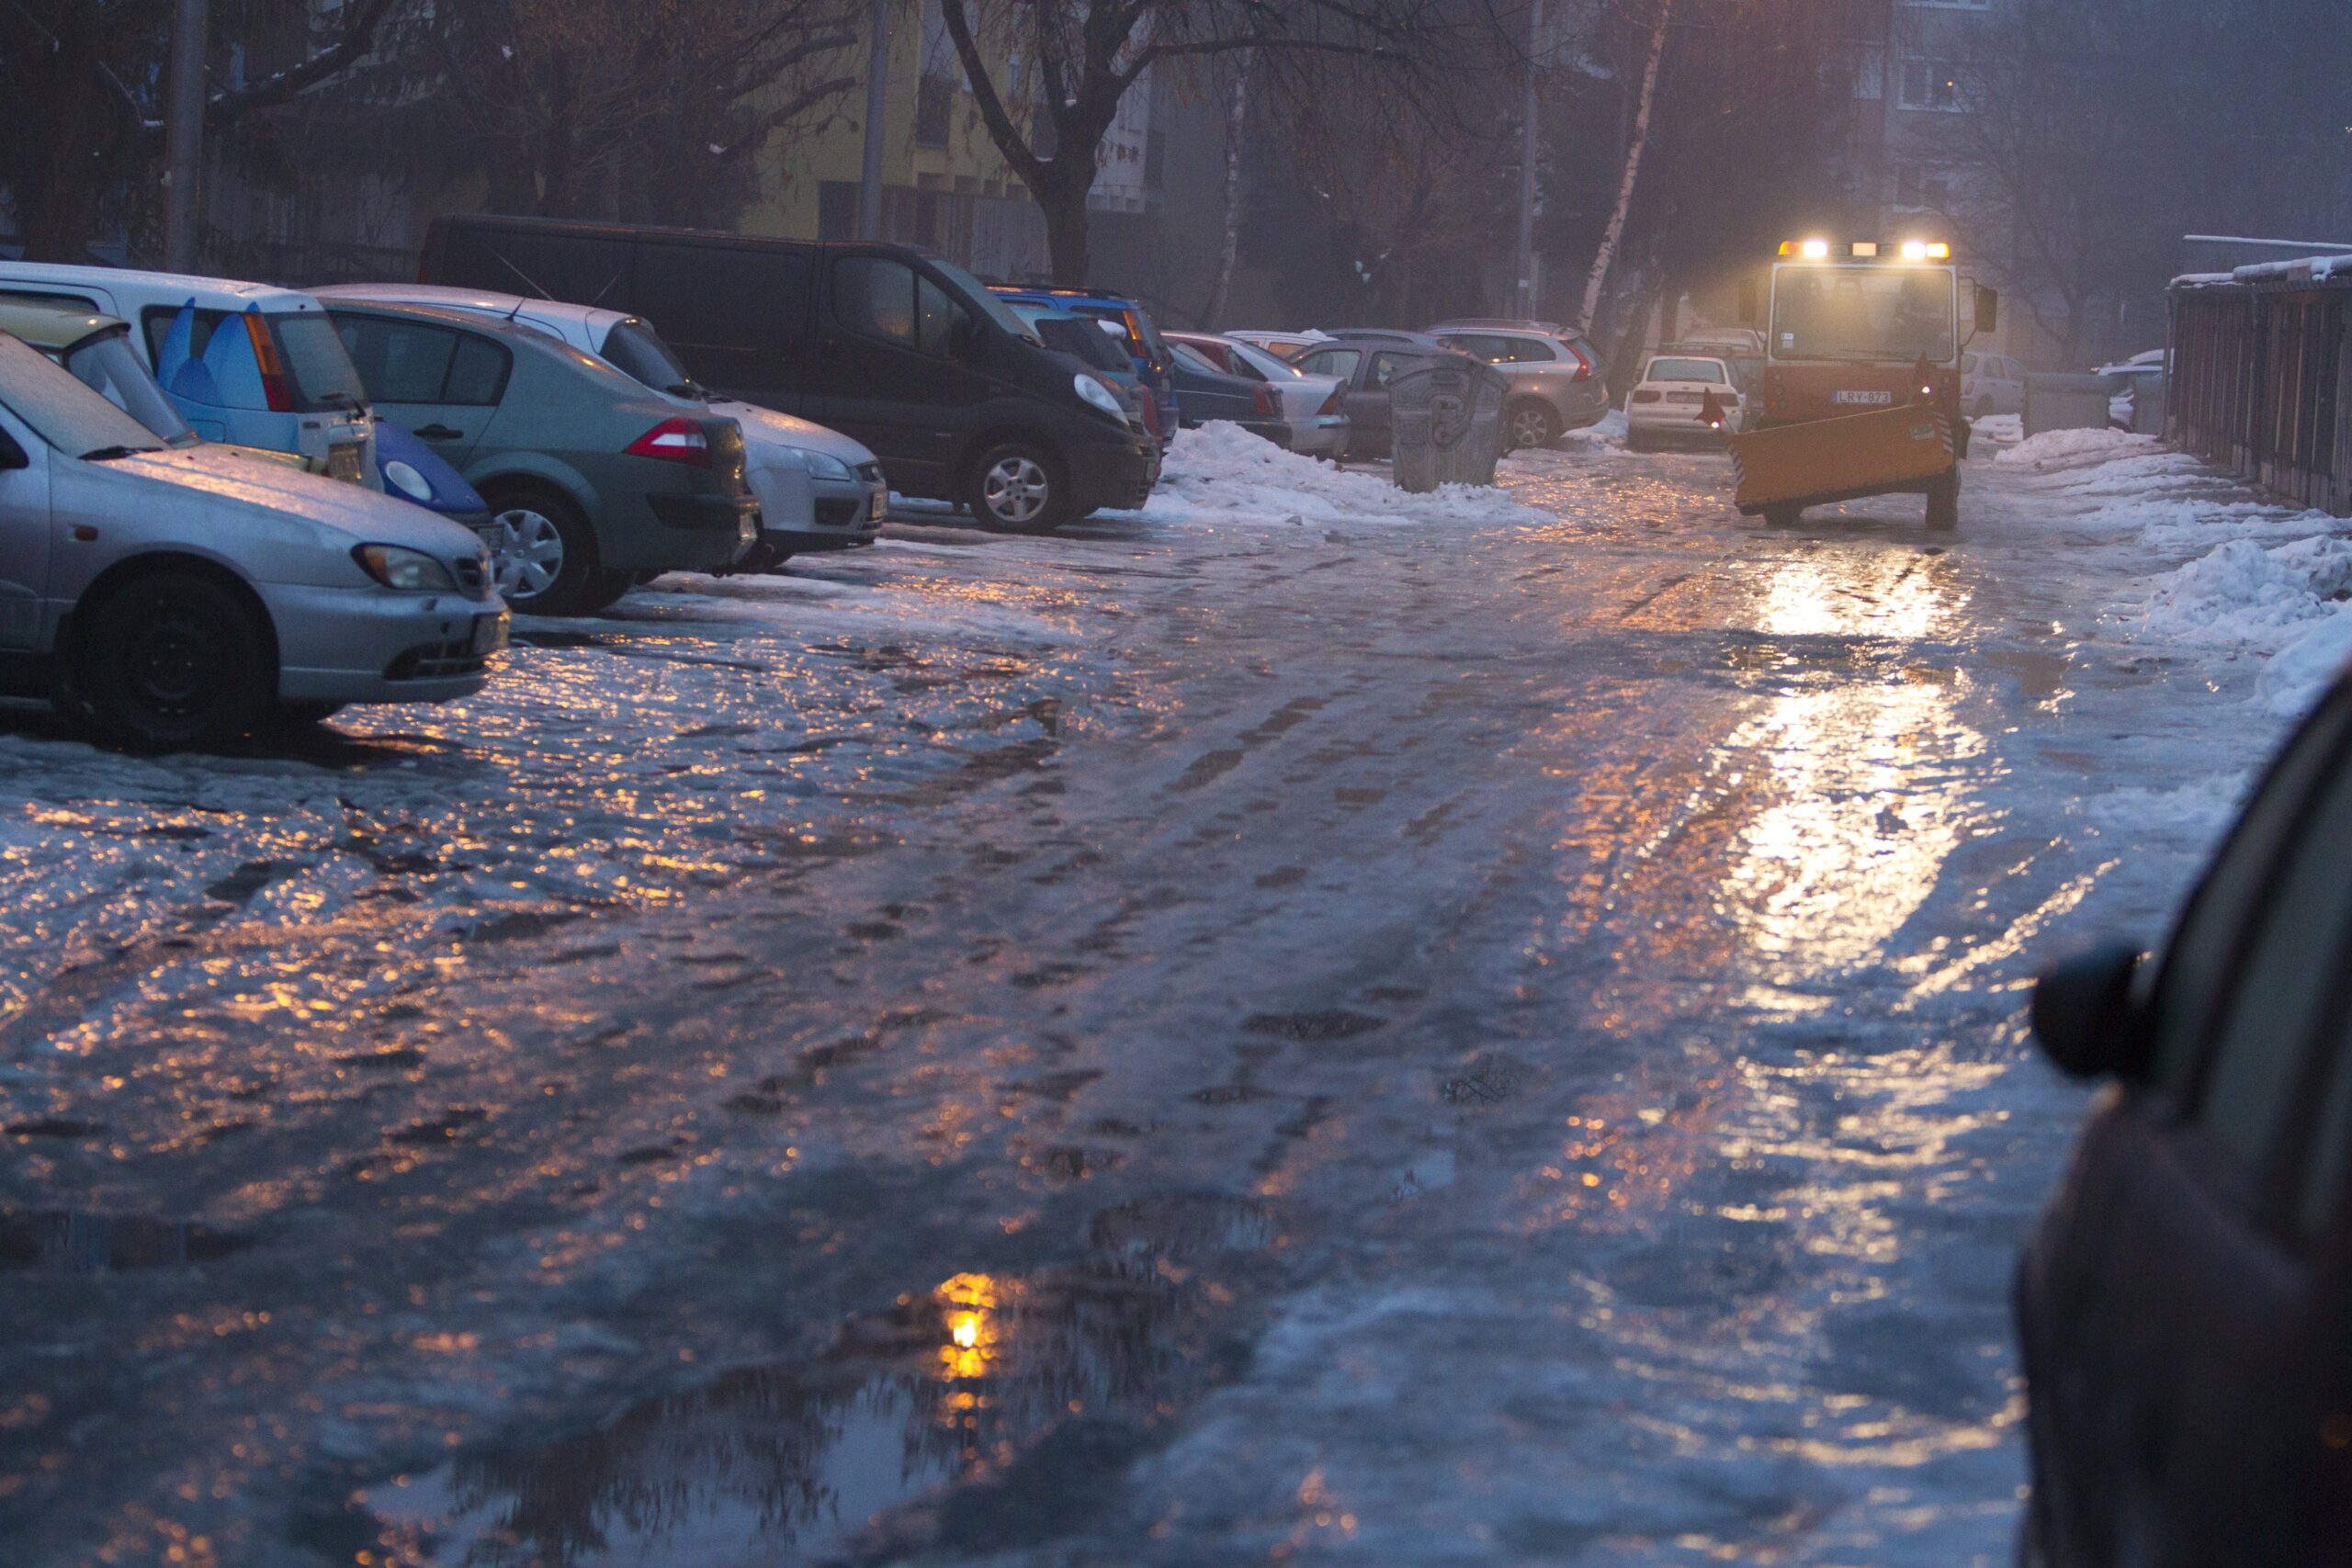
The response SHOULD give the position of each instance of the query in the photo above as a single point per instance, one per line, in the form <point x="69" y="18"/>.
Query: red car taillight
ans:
<point x="1331" y="404"/>
<point x="674" y="441"/>
<point x="1265" y="397"/>
<point x="1584" y="363"/>
<point x="1151" y="410"/>
<point x="276" y="387"/>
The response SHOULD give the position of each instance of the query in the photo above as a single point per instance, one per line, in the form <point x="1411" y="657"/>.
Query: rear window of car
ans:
<point x="1340" y="362"/>
<point x="321" y="372"/>
<point x="634" y="346"/>
<point x="1706" y="370"/>
<point x="1969" y="362"/>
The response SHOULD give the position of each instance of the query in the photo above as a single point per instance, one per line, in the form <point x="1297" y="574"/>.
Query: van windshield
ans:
<point x="972" y="292"/>
<point x="63" y="411"/>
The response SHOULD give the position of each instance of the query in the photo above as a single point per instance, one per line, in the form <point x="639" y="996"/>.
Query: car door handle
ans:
<point x="440" y="433"/>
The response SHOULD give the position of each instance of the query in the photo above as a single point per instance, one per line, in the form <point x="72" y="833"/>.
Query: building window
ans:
<point x="1934" y="84"/>
<point x="1918" y="188"/>
<point x="836" y="209"/>
<point x="935" y="97"/>
<point x="1870" y="71"/>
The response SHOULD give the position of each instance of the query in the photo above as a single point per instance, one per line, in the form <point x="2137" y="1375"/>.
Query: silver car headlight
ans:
<point x="825" y="465"/>
<point x="411" y="571"/>
<point x="1096" y="393"/>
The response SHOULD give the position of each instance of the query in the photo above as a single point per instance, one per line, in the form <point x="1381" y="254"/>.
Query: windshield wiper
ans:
<point x="109" y="453"/>
<point x="338" y="400"/>
<point x="688" y="390"/>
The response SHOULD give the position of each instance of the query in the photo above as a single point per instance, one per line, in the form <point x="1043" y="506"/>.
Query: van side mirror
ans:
<point x="2086" y="1017"/>
<point x="12" y="457"/>
<point x="1751" y="303"/>
<point x="1988" y="309"/>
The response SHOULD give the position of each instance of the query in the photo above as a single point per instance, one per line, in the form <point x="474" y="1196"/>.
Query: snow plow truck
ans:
<point x="1859" y="393"/>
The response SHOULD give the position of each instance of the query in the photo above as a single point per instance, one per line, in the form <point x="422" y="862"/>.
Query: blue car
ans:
<point x="412" y="471"/>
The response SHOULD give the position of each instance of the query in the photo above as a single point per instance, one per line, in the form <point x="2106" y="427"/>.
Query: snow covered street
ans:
<point x="1302" y="1024"/>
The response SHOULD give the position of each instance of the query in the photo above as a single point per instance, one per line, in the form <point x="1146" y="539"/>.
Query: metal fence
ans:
<point x="2262" y="377"/>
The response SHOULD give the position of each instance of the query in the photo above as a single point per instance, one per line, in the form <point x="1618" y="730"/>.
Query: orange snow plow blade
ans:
<point x="1878" y="453"/>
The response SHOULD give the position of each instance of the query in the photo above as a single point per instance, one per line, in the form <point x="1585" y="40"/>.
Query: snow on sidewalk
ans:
<point x="2244" y="574"/>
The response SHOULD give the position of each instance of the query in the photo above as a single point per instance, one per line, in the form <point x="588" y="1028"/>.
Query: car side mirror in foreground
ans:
<point x="2086" y="1017"/>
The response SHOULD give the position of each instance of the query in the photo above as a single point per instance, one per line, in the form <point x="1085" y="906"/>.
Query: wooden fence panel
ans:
<point x="2262" y="384"/>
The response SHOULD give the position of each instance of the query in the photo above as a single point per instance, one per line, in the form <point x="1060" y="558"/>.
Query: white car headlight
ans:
<point x="407" y="480"/>
<point x="825" y="465"/>
<point x="1096" y="393"/>
<point x="411" y="571"/>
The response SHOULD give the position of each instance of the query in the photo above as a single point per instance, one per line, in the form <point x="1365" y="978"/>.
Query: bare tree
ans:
<point x="1087" y="55"/>
<point x="1614" y="234"/>
<point x="656" y="108"/>
<point x="80" y="81"/>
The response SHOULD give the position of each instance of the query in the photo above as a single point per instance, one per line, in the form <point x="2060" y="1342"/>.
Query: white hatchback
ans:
<point x="1670" y="402"/>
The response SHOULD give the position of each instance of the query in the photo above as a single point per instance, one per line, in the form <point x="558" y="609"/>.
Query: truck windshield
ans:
<point x="1862" y="313"/>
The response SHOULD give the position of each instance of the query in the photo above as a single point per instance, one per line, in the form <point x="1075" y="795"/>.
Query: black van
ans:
<point x="907" y="352"/>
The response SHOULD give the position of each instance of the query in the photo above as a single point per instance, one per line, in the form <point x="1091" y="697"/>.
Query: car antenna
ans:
<point x="605" y="290"/>
<point x="528" y="282"/>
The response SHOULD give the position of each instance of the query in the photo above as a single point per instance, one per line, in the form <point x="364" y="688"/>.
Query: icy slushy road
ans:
<point x="1486" y="1034"/>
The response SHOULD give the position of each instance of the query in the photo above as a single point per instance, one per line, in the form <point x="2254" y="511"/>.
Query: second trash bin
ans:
<point x="1446" y="418"/>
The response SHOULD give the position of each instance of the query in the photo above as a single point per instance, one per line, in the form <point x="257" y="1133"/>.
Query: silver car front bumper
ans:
<point x="371" y="644"/>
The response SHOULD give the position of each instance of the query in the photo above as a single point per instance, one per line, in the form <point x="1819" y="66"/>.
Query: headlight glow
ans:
<point x="411" y="571"/>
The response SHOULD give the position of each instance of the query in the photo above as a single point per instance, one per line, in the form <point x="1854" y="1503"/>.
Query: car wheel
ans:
<point x="1782" y="516"/>
<point x="603" y="590"/>
<point x="1529" y="426"/>
<point x="172" y="660"/>
<point x="1636" y="442"/>
<point x="542" y="553"/>
<point x="1018" y="486"/>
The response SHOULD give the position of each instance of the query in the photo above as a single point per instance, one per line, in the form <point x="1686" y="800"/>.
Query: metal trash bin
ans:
<point x="2066" y="402"/>
<point x="1446" y="421"/>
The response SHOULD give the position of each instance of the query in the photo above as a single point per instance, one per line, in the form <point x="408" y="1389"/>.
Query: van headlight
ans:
<point x="411" y="571"/>
<point x="1101" y="396"/>
<point x="825" y="465"/>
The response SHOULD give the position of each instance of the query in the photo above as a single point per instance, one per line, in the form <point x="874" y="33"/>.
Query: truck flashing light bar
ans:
<point x="1870" y="250"/>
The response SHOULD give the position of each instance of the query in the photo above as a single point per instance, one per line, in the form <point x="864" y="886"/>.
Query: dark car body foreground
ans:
<point x="2185" y="1310"/>
<point x="891" y="346"/>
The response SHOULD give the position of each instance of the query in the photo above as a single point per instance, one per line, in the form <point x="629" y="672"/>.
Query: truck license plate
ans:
<point x="343" y="462"/>
<point x="489" y="632"/>
<point x="1871" y="399"/>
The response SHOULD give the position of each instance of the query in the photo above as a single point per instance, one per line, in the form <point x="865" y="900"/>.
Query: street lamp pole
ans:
<point x="877" y="96"/>
<point x="1525" y="294"/>
<point x="184" y="136"/>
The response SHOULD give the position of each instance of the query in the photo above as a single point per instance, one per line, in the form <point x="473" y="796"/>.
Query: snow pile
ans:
<point x="2058" y="448"/>
<point x="2288" y="601"/>
<point x="1221" y="473"/>
<point x="1999" y="429"/>
<point x="1605" y="435"/>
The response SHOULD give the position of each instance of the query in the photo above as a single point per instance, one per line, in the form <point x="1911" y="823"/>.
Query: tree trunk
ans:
<point x="1064" y="201"/>
<point x="1235" y="124"/>
<point x="1615" y="232"/>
